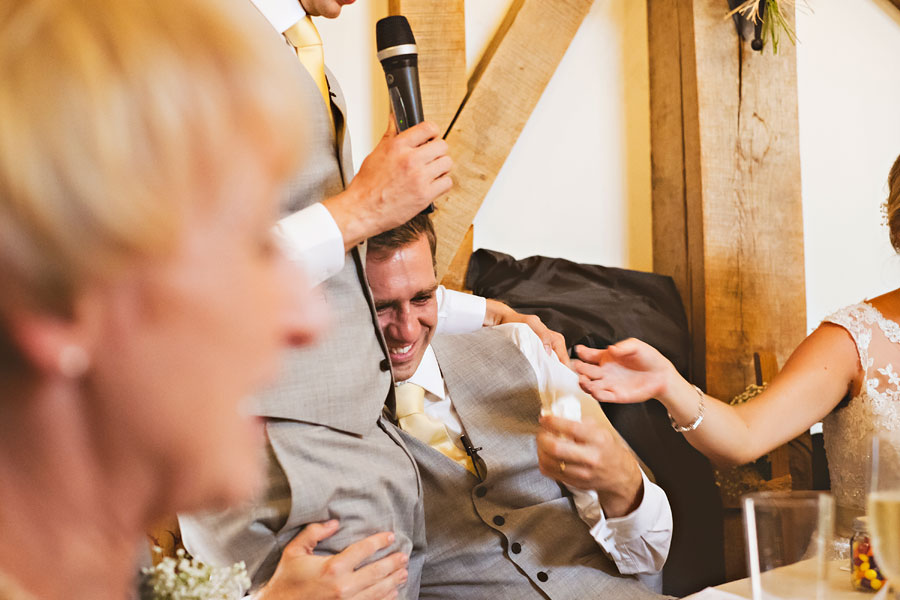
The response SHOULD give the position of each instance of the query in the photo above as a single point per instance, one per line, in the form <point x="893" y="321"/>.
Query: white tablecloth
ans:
<point x="795" y="582"/>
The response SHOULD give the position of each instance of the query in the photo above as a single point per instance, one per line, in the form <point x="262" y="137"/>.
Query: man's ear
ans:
<point x="59" y="346"/>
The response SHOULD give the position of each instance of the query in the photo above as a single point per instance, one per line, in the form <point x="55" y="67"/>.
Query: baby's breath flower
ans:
<point x="186" y="578"/>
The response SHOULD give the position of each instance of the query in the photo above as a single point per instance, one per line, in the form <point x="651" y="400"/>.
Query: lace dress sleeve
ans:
<point x="857" y="320"/>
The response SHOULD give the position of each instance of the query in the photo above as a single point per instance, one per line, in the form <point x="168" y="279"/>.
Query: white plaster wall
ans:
<point x="849" y="94"/>
<point x="577" y="183"/>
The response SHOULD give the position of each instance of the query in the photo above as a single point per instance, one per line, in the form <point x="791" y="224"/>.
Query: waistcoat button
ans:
<point x="516" y="547"/>
<point x="481" y="491"/>
<point x="542" y="577"/>
<point x="499" y="521"/>
<point x="385" y="365"/>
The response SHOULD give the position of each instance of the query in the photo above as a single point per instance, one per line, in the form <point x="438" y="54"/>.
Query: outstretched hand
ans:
<point x="627" y="372"/>
<point x="302" y="574"/>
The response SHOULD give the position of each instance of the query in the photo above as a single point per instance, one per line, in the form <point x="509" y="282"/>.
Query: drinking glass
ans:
<point x="884" y="504"/>
<point x="789" y="537"/>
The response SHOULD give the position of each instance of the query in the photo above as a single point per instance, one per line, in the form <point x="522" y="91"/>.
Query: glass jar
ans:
<point x="864" y="571"/>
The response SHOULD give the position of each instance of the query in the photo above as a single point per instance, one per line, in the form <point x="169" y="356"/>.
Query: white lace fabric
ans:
<point x="848" y="431"/>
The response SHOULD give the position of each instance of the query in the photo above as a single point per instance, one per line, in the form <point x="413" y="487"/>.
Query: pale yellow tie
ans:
<point x="305" y="39"/>
<point x="413" y="420"/>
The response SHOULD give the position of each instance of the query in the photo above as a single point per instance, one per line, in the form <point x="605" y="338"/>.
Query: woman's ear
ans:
<point x="59" y="346"/>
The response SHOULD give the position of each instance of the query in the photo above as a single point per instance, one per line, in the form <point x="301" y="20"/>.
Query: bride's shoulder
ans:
<point x="888" y="305"/>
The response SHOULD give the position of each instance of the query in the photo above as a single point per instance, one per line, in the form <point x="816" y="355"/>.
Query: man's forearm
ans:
<point x="637" y="542"/>
<point x="623" y="498"/>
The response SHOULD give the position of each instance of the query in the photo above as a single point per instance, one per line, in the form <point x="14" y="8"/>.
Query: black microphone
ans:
<point x="400" y="60"/>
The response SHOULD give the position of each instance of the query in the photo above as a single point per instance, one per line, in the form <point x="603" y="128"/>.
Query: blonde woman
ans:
<point x="846" y="374"/>
<point x="142" y="150"/>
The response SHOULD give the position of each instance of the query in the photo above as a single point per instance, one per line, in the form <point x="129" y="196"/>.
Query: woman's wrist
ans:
<point x="680" y="399"/>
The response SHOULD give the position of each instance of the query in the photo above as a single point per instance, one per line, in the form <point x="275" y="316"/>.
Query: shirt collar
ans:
<point x="428" y="375"/>
<point x="281" y="14"/>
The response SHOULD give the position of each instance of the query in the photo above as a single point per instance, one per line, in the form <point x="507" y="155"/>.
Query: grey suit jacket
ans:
<point x="516" y="534"/>
<point x="330" y="453"/>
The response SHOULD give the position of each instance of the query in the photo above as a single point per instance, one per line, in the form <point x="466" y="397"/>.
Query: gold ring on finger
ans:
<point x="562" y="466"/>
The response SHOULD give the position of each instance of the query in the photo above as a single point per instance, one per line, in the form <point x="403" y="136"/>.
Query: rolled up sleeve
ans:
<point x="459" y="312"/>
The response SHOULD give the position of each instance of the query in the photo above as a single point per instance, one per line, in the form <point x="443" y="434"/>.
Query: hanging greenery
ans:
<point x="772" y="15"/>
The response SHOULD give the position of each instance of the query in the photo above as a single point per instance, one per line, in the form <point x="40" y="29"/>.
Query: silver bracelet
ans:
<point x="697" y="421"/>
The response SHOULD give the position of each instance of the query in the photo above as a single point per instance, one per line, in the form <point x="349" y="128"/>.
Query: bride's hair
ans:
<point x="893" y="204"/>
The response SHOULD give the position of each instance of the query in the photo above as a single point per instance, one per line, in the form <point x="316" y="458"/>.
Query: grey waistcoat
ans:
<point x="343" y="380"/>
<point x="517" y="534"/>
<point x="330" y="452"/>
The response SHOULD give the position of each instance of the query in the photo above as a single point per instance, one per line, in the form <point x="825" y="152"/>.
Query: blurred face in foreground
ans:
<point x="403" y="286"/>
<point x="142" y="298"/>
<point x="186" y="339"/>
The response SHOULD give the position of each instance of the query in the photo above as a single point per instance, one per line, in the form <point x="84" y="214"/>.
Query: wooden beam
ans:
<point x="895" y="3"/>
<point x="165" y="534"/>
<point x="507" y="86"/>
<point x="440" y="30"/>
<point x="670" y="32"/>
<point x="455" y="276"/>
<point x="726" y="188"/>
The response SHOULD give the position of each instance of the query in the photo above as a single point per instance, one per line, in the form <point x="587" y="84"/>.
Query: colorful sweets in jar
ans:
<point x="864" y="571"/>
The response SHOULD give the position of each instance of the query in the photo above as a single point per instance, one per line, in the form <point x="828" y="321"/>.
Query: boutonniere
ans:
<point x="186" y="578"/>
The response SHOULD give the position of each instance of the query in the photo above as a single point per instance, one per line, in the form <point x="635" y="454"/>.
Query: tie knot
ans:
<point x="303" y="34"/>
<point x="410" y="399"/>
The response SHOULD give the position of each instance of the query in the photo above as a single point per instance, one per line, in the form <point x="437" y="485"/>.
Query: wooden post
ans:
<point x="726" y="188"/>
<point x="440" y="30"/>
<point x="455" y="276"/>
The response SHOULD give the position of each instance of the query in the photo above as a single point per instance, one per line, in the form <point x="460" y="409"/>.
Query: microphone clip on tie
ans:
<point x="472" y="451"/>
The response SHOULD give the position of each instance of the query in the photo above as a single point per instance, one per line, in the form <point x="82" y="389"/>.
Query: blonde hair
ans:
<point x="116" y="119"/>
<point x="892" y="204"/>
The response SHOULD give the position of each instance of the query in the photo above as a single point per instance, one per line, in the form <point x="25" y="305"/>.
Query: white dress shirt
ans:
<point x="638" y="542"/>
<point x="281" y="14"/>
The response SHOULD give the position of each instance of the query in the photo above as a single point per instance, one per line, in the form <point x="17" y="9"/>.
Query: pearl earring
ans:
<point x="73" y="361"/>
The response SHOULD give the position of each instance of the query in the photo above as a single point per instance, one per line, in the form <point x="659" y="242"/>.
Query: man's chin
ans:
<point x="402" y="372"/>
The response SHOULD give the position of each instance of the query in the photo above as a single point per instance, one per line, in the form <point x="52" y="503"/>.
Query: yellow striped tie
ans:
<point x="413" y="420"/>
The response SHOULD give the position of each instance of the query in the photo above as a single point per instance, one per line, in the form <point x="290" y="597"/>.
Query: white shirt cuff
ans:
<point x="459" y="312"/>
<point x="638" y="542"/>
<point x="282" y="14"/>
<point x="311" y="238"/>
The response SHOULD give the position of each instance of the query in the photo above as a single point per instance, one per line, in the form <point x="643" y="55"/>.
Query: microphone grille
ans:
<point x="393" y="31"/>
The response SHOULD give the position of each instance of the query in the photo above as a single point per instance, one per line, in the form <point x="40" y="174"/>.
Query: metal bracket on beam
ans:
<point x="748" y="29"/>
